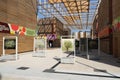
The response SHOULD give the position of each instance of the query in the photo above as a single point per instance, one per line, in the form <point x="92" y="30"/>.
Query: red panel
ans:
<point x="105" y="32"/>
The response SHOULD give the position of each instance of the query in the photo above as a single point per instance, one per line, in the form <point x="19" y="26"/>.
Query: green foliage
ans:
<point x="68" y="44"/>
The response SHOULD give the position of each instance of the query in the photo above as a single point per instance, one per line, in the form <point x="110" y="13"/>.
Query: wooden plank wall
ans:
<point x="116" y="34"/>
<point x="103" y="19"/>
<point x="51" y="26"/>
<point x="103" y="14"/>
<point x="116" y="44"/>
<point x="59" y="27"/>
<point x="22" y="13"/>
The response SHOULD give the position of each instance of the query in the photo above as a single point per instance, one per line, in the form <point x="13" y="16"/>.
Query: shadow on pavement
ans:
<point x="53" y="71"/>
<point x="97" y="70"/>
<point x="104" y="58"/>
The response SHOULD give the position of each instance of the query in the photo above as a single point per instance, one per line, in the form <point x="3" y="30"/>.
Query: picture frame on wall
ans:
<point x="10" y="44"/>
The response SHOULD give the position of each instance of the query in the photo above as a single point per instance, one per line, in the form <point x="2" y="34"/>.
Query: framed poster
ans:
<point x="10" y="44"/>
<point x="39" y="47"/>
<point x="68" y="49"/>
<point x="40" y="44"/>
<point x="67" y="45"/>
<point x="92" y="43"/>
<point x="93" y="51"/>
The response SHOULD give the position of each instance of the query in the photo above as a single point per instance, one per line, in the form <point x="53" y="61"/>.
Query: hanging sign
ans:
<point x="30" y="32"/>
<point x="51" y="36"/>
<point x="15" y="29"/>
<point x="4" y="28"/>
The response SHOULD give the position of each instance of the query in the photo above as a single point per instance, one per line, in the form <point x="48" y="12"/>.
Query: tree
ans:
<point x="68" y="44"/>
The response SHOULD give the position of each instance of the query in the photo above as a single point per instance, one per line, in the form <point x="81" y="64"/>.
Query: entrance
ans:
<point x="50" y="42"/>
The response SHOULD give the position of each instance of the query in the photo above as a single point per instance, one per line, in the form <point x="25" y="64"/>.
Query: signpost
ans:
<point x="93" y="47"/>
<point x="68" y="49"/>
<point x="39" y="47"/>
<point x="10" y="43"/>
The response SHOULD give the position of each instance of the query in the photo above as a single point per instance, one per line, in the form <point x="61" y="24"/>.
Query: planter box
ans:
<point x="67" y="60"/>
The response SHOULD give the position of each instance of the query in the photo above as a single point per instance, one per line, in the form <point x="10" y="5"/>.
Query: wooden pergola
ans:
<point x="77" y="13"/>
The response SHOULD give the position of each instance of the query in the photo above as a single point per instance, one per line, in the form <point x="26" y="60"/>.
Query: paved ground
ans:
<point x="49" y="68"/>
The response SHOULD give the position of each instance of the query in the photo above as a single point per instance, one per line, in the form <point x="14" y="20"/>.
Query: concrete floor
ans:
<point x="48" y="68"/>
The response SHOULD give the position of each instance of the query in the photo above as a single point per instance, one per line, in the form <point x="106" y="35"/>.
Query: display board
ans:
<point x="39" y="47"/>
<point x="10" y="42"/>
<point x="83" y="46"/>
<point x="92" y="44"/>
<point x="93" y="48"/>
<point x="68" y="49"/>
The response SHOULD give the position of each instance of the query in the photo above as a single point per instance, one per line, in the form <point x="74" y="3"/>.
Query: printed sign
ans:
<point x="67" y="45"/>
<point x="9" y="43"/>
<point x="4" y="28"/>
<point x="51" y="36"/>
<point x="92" y="44"/>
<point x="30" y="32"/>
<point x="15" y="29"/>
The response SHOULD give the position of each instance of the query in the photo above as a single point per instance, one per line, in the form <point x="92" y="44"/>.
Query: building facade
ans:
<point x="21" y="13"/>
<point x="107" y="26"/>
<point x="51" y="26"/>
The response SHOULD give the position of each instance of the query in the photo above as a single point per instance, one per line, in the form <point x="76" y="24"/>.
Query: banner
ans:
<point x="15" y="29"/>
<point x="4" y="28"/>
<point x="30" y="32"/>
<point x="67" y="45"/>
<point x="116" y="24"/>
<point x="51" y="36"/>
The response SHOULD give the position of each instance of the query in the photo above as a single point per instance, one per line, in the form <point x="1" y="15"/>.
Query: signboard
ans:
<point x="92" y="43"/>
<point x="9" y="43"/>
<point x="67" y="45"/>
<point x="15" y="29"/>
<point x="51" y="36"/>
<point x="39" y="47"/>
<point x="116" y="24"/>
<point x="30" y="32"/>
<point x="4" y="27"/>
<point x="68" y="49"/>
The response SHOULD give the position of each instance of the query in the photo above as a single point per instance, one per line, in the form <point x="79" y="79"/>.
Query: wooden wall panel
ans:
<point x="103" y="21"/>
<point x="116" y="44"/>
<point x="25" y="43"/>
<point x="116" y="34"/>
<point x="116" y="8"/>
<point x="103" y="14"/>
<point x="51" y="25"/>
<point x="22" y="13"/>
<point x="104" y="45"/>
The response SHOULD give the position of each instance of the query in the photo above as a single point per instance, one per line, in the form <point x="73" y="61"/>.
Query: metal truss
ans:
<point x="79" y="13"/>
